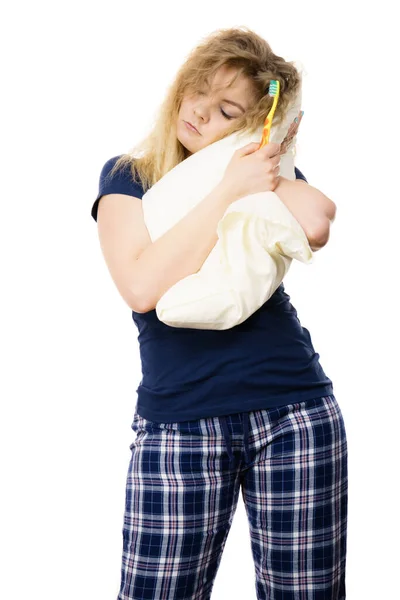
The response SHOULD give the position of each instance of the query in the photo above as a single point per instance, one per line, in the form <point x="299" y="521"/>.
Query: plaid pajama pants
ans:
<point x="183" y="483"/>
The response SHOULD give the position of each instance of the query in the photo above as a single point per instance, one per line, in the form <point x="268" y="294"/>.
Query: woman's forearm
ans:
<point x="183" y="249"/>
<point x="180" y="251"/>
<point x="311" y="208"/>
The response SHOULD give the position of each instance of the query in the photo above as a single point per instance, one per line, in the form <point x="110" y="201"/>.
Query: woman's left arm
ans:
<point x="311" y="208"/>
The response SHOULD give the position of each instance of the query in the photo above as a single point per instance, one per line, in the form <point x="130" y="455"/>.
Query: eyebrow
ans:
<point x="225" y="100"/>
<point x="234" y="103"/>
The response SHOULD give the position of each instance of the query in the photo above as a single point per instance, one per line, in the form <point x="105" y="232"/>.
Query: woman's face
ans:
<point x="213" y="109"/>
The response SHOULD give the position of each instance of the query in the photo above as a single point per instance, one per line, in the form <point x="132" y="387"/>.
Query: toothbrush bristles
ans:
<point x="273" y="88"/>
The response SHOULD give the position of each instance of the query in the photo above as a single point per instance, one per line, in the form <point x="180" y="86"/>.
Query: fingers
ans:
<point x="267" y="151"/>
<point x="271" y="153"/>
<point x="270" y="150"/>
<point x="248" y="149"/>
<point x="273" y="163"/>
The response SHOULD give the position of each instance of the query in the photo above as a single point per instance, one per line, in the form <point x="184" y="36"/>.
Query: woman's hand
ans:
<point x="253" y="170"/>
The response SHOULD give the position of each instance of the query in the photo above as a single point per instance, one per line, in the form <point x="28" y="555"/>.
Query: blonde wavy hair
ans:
<point x="238" y="47"/>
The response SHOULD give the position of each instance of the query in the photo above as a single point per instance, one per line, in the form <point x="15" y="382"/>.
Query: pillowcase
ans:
<point x="257" y="236"/>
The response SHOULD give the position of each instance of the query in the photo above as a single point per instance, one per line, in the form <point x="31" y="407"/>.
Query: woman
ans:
<point x="246" y="408"/>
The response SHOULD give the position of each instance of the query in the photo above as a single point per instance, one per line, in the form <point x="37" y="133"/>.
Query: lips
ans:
<point x="195" y="129"/>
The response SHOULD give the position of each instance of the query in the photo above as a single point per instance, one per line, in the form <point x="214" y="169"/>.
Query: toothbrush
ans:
<point x="274" y="88"/>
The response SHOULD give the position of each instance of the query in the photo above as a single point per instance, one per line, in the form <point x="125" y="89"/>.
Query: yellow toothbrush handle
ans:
<point x="268" y="123"/>
<point x="266" y="132"/>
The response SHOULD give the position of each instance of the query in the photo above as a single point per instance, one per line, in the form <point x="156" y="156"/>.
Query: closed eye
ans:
<point x="226" y="116"/>
<point x="222" y="112"/>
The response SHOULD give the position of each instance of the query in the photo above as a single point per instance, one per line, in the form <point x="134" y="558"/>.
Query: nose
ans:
<point x="201" y="111"/>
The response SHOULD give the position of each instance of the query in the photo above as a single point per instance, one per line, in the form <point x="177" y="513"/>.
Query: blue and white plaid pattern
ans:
<point x="182" y="491"/>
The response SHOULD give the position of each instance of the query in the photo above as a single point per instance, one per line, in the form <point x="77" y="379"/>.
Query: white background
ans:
<point x="81" y="83"/>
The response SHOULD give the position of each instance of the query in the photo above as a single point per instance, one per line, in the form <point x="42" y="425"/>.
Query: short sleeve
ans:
<point x="299" y="174"/>
<point x="121" y="182"/>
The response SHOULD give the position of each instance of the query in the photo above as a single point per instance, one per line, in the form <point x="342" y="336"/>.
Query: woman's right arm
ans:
<point x="144" y="270"/>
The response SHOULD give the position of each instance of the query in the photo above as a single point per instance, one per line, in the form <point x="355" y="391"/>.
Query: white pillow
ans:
<point x="258" y="236"/>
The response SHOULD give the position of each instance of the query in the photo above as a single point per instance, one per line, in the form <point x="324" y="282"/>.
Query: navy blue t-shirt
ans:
<point x="266" y="361"/>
